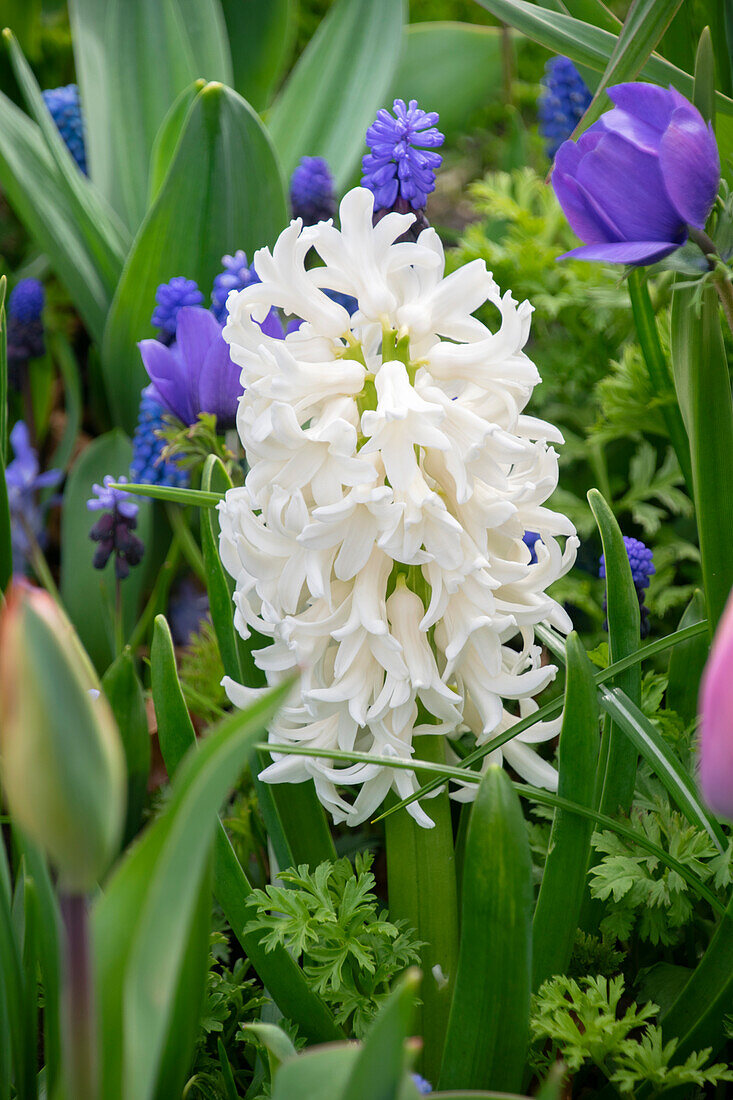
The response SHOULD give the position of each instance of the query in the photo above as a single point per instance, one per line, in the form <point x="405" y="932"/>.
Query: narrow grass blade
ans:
<point x="687" y="661"/>
<point x="488" y="1029"/>
<point x="646" y="739"/>
<point x="563" y="881"/>
<point x="175" y="729"/>
<point x="615" y="785"/>
<point x="660" y="375"/>
<point x="124" y="691"/>
<point x="195" y="497"/>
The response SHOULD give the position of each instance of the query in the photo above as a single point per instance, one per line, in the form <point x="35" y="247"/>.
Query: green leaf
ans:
<point x="175" y="729"/>
<point x="379" y="1066"/>
<point x="38" y="194"/>
<point x="700" y="368"/>
<point x="422" y="890"/>
<point x="195" y="497"/>
<point x="647" y="740"/>
<point x="6" y="550"/>
<point x="660" y="375"/>
<point x="451" y="68"/>
<point x="3" y="373"/>
<point x="646" y="22"/>
<point x="218" y="582"/>
<point x="21" y="1044"/>
<point x="125" y="694"/>
<point x="563" y="881"/>
<point x="617" y="763"/>
<point x="262" y="37"/>
<point x="168" y="136"/>
<point x="88" y="594"/>
<point x="686" y="663"/>
<point x="223" y="191"/>
<point x="166" y="45"/>
<point x="339" y="82"/>
<point x="488" y="1029"/>
<point x="141" y="924"/>
<point x="586" y="44"/>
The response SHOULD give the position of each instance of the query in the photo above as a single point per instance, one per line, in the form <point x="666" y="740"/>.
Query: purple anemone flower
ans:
<point x="639" y="177"/>
<point x="195" y="374"/>
<point x="24" y="480"/>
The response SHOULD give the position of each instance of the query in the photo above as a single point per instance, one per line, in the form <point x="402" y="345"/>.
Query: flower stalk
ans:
<point x="78" y="999"/>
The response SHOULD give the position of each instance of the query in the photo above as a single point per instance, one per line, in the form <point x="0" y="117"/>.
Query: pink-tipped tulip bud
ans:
<point x="716" y="720"/>
<point x="61" y="759"/>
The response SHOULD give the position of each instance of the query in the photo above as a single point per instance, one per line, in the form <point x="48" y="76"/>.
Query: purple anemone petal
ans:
<point x="690" y="162"/>
<point x="586" y="220"/>
<point x="627" y="184"/>
<point x="166" y="371"/>
<point x="623" y="252"/>
<point x="219" y="385"/>
<point x="272" y="326"/>
<point x="648" y="102"/>
<point x="197" y="330"/>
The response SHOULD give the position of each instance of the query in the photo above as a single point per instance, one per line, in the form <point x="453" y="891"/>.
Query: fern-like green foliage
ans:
<point x="330" y="921"/>
<point x="581" y="309"/>
<point x="641" y="894"/>
<point x="201" y="673"/>
<point x="585" y="1023"/>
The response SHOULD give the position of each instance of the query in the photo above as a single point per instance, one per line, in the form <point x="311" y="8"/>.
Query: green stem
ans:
<point x="421" y="879"/>
<point x="157" y="599"/>
<point x="187" y="542"/>
<point x="721" y="280"/>
<point x="39" y="563"/>
<point x="119" y="628"/>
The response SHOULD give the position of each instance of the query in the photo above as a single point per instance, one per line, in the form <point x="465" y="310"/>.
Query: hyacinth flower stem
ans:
<point x="721" y="279"/>
<point x="38" y="561"/>
<point x="78" y="999"/>
<point x="421" y="877"/>
<point x="186" y="541"/>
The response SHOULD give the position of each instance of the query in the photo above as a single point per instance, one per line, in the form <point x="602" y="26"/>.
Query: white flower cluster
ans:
<point x="378" y="539"/>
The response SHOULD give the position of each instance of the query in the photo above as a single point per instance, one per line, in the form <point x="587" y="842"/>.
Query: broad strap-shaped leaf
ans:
<point x="563" y="881"/>
<point x="219" y="584"/>
<point x="380" y="1064"/>
<point x="166" y="45"/>
<point x="451" y="68"/>
<point x="647" y="740"/>
<point x="687" y="662"/>
<point x="488" y="1029"/>
<point x="223" y="191"/>
<point x="124" y="691"/>
<point x="586" y="44"/>
<point x="340" y="81"/>
<point x="175" y="729"/>
<point x="263" y="36"/>
<point x="142" y="921"/>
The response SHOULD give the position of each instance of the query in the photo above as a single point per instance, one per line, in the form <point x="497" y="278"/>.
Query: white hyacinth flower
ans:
<point x="378" y="539"/>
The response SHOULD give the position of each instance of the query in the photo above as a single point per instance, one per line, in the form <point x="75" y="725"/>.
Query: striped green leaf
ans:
<point x="488" y="1028"/>
<point x="339" y="82"/>
<point x="262" y="37"/>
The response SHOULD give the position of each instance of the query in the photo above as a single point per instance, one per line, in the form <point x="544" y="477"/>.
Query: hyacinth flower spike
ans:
<point x="148" y="465"/>
<point x="562" y="102"/>
<point x="312" y="191"/>
<point x="378" y="540"/>
<point x="642" y="569"/>
<point x="25" y="334"/>
<point x="170" y="299"/>
<point x="113" y="531"/>
<point x="639" y="181"/>
<point x="65" y="109"/>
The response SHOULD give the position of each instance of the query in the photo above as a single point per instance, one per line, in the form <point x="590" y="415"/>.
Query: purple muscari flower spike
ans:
<point x="114" y="529"/>
<point x="637" y="179"/>
<point x="312" y="191"/>
<point x="400" y="169"/>
<point x="65" y="109"/>
<point x="195" y="375"/>
<point x="562" y="102"/>
<point x="147" y="463"/>
<point x="422" y="1086"/>
<point x="23" y="482"/>
<point x="716" y="721"/>
<point x="25" y="326"/>
<point x="237" y="274"/>
<point x="642" y="568"/>
<point x="171" y="297"/>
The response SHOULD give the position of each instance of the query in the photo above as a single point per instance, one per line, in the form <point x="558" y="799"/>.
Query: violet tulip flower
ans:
<point x="635" y="181"/>
<point x="196" y="373"/>
<point x="716" y="721"/>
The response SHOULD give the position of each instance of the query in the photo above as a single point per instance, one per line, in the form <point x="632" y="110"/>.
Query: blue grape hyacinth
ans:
<point x="147" y="464"/>
<point x="237" y="274"/>
<point x="25" y="326"/>
<point x="642" y="568"/>
<point x="114" y="529"/>
<point x="562" y="102"/>
<point x="64" y="107"/>
<point x="312" y="191"/>
<point x="400" y="166"/>
<point x="171" y="297"/>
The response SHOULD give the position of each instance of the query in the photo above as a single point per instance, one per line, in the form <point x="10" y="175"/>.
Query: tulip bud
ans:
<point x="716" y="721"/>
<point x="60" y="753"/>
